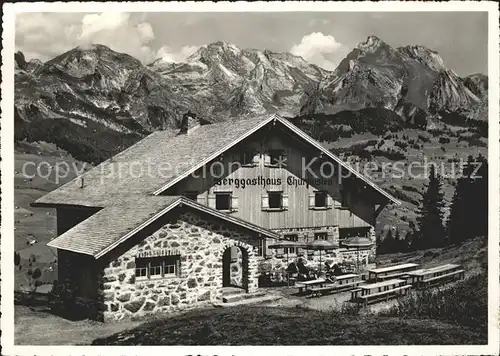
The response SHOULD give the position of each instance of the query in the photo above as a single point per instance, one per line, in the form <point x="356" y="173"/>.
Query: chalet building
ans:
<point x="172" y="220"/>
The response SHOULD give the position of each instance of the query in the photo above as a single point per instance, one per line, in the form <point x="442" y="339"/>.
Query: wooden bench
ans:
<point x="384" y="295"/>
<point x="334" y="287"/>
<point x="402" y="275"/>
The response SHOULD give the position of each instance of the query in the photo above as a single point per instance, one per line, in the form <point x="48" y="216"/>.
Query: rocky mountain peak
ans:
<point x="214" y="51"/>
<point x="371" y="44"/>
<point x="423" y="55"/>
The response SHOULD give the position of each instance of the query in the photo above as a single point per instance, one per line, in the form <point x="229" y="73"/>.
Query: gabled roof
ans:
<point x="166" y="160"/>
<point x="119" y="176"/>
<point x="114" y="224"/>
<point x="303" y="136"/>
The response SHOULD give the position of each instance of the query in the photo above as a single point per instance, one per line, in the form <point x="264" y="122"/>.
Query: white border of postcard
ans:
<point x="7" y="170"/>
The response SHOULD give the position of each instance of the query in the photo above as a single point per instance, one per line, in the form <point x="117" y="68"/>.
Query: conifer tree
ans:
<point x="431" y="232"/>
<point x="469" y="209"/>
<point x="458" y="228"/>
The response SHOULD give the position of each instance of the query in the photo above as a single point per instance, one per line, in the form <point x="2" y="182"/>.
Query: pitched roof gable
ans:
<point x="161" y="160"/>
<point x="303" y="136"/>
<point x="156" y="160"/>
<point x="113" y="225"/>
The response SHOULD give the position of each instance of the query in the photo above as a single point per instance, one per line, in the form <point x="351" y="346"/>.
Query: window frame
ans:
<point x="322" y="233"/>
<point x="280" y="208"/>
<point x="250" y="155"/>
<point x="229" y="197"/>
<point x="325" y="197"/>
<point x="147" y="264"/>
<point x="294" y="238"/>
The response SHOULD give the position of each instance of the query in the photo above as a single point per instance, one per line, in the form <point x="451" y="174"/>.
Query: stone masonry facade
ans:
<point x="112" y="291"/>
<point x="277" y="261"/>
<point x="201" y="244"/>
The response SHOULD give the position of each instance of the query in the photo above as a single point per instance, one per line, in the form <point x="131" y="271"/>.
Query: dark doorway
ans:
<point x="235" y="268"/>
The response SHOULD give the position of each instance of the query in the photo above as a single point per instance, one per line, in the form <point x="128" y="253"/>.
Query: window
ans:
<point x="247" y="158"/>
<point x="223" y="201"/>
<point x="141" y="269"/>
<point x="276" y="157"/>
<point x="291" y="237"/>
<point x="275" y="200"/>
<point x="191" y="195"/>
<point x="320" y="200"/>
<point x="320" y="236"/>
<point x="157" y="267"/>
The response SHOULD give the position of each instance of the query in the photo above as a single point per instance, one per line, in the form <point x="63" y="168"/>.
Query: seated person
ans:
<point x="292" y="268"/>
<point x="327" y="266"/>
<point x="336" y="270"/>
<point x="303" y="270"/>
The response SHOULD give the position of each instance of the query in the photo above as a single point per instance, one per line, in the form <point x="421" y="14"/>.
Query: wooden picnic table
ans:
<point x="435" y="275"/>
<point x="306" y="285"/>
<point x="380" y="291"/>
<point x="391" y="272"/>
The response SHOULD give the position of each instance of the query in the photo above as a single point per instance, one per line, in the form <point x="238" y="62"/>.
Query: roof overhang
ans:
<point x="181" y="201"/>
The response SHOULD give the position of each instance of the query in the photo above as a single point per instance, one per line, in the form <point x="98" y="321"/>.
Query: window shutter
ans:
<point x="285" y="201"/>
<point x="201" y="199"/>
<point x="211" y="201"/>
<point x="267" y="158"/>
<point x="312" y="200"/>
<point x="329" y="201"/>
<point x="234" y="203"/>
<point x="265" y="202"/>
<point x="329" y="235"/>
<point x="256" y="158"/>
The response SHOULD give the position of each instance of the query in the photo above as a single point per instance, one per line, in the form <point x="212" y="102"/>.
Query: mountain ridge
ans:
<point x="98" y="92"/>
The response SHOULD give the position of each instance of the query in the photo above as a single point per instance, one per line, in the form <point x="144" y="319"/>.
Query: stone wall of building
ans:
<point x="314" y="260"/>
<point x="201" y="243"/>
<point x="277" y="260"/>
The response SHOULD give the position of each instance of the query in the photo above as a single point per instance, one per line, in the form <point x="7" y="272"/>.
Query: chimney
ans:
<point x="189" y="123"/>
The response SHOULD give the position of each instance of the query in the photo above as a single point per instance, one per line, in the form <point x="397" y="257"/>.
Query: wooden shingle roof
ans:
<point x="114" y="224"/>
<point x="161" y="160"/>
<point x="149" y="164"/>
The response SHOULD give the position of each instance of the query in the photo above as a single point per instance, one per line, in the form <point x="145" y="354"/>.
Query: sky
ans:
<point x="322" y="38"/>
